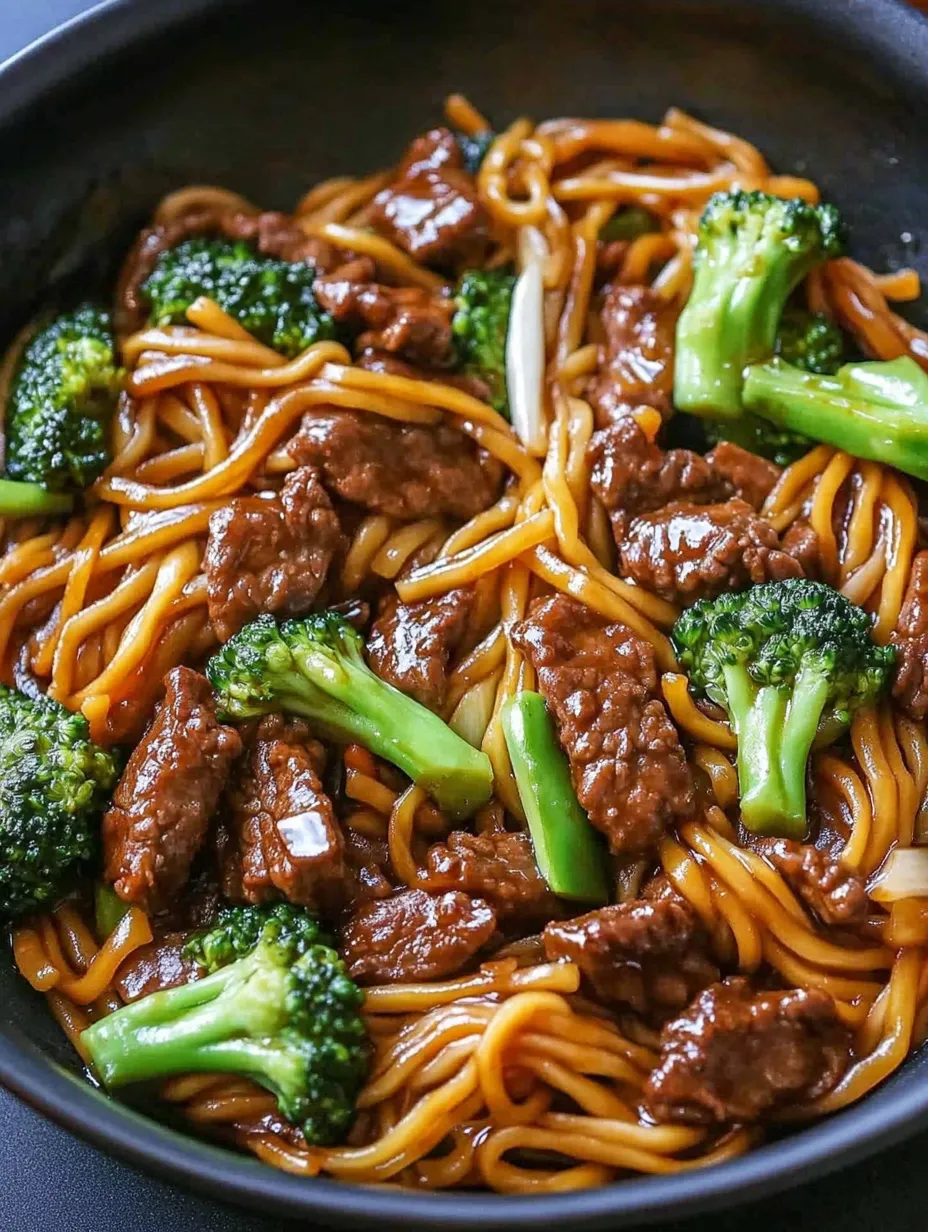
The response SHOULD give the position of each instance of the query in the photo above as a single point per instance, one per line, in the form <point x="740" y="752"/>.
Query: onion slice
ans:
<point x="525" y="359"/>
<point x="904" y="874"/>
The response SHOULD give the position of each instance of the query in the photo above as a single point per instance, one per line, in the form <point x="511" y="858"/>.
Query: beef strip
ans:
<point x="411" y="644"/>
<point x="910" y="682"/>
<point x="270" y="553"/>
<point x="650" y="955"/>
<point x="498" y="866"/>
<point x="402" y="470"/>
<point x="369" y="861"/>
<point x="632" y="476"/>
<point x="801" y="542"/>
<point x="626" y="760"/>
<point x="686" y="552"/>
<point x="167" y="793"/>
<point x="636" y="362"/>
<point x="415" y="936"/>
<point x="735" y="1054"/>
<point x="155" y="967"/>
<point x="284" y="840"/>
<point x="409" y="321"/>
<point x="431" y="209"/>
<point x="273" y="234"/>
<point x="836" y="895"/>
<point x="750" y="477"/>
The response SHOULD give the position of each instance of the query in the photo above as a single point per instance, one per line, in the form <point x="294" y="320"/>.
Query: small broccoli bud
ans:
<point x="811" y="341"/>
<point x="271" y="299"/>
<point x="61" y="402"/>
<point x="54" y="784"/>
<point x="237" y="931"/>
<point x="474" y="148"/>
<point x="480" y="326"/>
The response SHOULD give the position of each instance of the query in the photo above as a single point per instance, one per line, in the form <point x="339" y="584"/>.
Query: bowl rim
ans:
<point x="900" y="34"/>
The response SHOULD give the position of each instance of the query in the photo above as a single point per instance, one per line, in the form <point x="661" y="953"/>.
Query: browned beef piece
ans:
<point x="650" y="955"/>
<point x="498" y="866"/>
<point x="374" y="360"/>
<point x="750" y="476"/>
<point x="155" y="967"/>
<point x="736" y="1054"/>
<point x="407" y="320"/>
<point x="411" y="644"/>
<point x="431" y="210"/>
<point x="164" y="801"/>
<point x="686" y="552"/>
<point x="284" y="839"/>
<point x="626" y="760"/>
<point x="836" y="895"/>
<point x="910" y="684"/>
<point x="801" y="542"/>
<point x="369" y="862"/>
<point x="636" y="363"/>
<point x="402" y="470"/>
<point x="270" y="554"/>
<point x="415" y="936"/>
<point x="271" y="233"/>
<point x="631" y="475"/>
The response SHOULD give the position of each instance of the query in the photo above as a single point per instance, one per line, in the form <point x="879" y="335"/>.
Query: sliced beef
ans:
<point x="736" y="1054"/>
<point x="650" y="955"/>
<point x="432" y="210"/>
<point x="409" y="321"/>
<point x="272" y="234"/>
<point x="801" y="542"/>
<point x="369" y="861"/>
<point x="750" y="477"/>
<point x="686" y="552"/>
<point x="167" y="794"/>
<point x="836" y="895"/>
<point x="627" y="764"/>
<point x="411" y="644"/>
<point x="498" y="866"/>
<point x="284" y="840"/>
<point x="402" y="470"/>
<point x="910" y="683"/>
<point x="155" y="967"/>
<point x="270" y="554"/>
<point x="632" y="476"/>
<point x="415" y="936"/>
<point x="636" y="362"/>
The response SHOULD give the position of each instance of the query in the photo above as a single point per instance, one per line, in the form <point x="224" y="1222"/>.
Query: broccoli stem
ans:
<point x="175" y="1031"/>
<point x="568" y="851"/>
<point x="358" y="706"/>
<point x="873" y="410"/>
<point x="31" y="500"/>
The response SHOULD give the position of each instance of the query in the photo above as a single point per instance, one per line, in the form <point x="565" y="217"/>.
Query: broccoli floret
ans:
<point x="238" y="929"/>
<point x="285" y="1014"/>
<point x="61" y="402"/>
<point x="753" y="250"/>
<point x="627" y="224"/>
<point x="54" y="785"/>
<point x="789" y="661"/>
<point x="30" y="500"/>
<point x="314" y="667"/>
<point x="811" y="341"/>
<point x="480" y="325"/>
<point x="272" y="299"/>
<point x="876" y="410"/>
<point x="474" y="148"/>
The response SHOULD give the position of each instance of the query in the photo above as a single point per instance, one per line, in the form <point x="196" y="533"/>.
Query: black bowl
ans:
<point x="101" y="118"/>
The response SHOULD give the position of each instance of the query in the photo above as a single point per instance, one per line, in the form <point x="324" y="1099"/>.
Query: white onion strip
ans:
<point x="904" y="875"/>
<point x="525" y="359"/>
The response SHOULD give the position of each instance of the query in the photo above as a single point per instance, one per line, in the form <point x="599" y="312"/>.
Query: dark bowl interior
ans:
<point x="97" y="122"/>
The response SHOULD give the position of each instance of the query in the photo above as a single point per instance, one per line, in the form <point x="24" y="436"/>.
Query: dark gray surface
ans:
<point x="51" y="1181"/>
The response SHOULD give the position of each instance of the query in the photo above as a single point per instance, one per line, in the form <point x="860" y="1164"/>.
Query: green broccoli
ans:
<point x="61" y="402"/>
<point x="31" y="500"/>
<point x="474" y="148"/>
<point x="753" y="250"/>
<point x="314" y="667"/>
<point x="790" y="662"/>
<point x="237" y="930"/>
<point x="480" y="325"/>
<point x="285" y="1014"/>
<point x="810" y="341"/>
<point x="876" y="410"/>
<point x="272" y="299"/>
<point x="54" y="785"/>
<point x="628" y="223"/>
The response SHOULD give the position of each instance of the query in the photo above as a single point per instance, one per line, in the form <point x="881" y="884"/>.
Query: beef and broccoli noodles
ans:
<point x="465" y="662"/>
